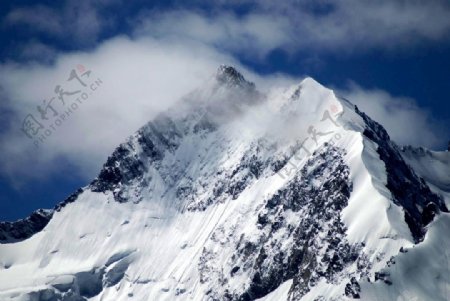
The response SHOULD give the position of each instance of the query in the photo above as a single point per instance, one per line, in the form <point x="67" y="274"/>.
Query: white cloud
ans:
<point x="325" y="26"/>
<point x="140" y="78"/>
<point x="173" y="52"/>
<point x="405" y="121"/>
<point x="349" y="25"/>
<point x="250" y="35"/>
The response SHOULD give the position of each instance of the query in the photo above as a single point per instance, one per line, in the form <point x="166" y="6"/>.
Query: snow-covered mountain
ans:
<point x="235" y="194"/>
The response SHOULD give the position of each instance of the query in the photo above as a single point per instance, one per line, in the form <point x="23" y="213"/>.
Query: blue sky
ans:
<point x="389" y="57"/>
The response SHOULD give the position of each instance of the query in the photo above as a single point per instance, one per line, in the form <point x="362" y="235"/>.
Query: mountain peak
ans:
<point x="225" y="71"/>
<point x="230" y="76"/>
<point x="305" y="198"/>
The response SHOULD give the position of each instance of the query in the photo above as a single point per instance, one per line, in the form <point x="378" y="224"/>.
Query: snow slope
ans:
<point x="235" y="194"/>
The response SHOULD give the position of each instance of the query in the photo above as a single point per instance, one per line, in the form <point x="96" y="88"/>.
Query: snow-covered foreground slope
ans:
<point x="239" y="195"/>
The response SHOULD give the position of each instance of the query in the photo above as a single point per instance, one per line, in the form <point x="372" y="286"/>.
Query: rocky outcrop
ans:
<point x="299" y="236"/>
<point x="408" y="190"/>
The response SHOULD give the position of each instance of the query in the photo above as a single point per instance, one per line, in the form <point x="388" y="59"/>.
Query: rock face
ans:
<point x="25" y="228"/>
<point x="408" y="190"/>
<point x="296" y="224"/>
<point x="231" y="77"/>
<point x="126" y="164"/>
<point x="11" y="232"/>
<point x="236" y="194"/>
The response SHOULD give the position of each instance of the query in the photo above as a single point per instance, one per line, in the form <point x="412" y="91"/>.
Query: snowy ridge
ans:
<point x="22" y="229"/>
<point x="238" y="195"/>
<point x="25" y="228"/>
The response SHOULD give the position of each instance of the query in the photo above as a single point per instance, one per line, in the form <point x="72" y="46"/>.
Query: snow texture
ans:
<point x="234" y="194"/>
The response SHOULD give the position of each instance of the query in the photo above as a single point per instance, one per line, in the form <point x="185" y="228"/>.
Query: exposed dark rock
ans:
<point x="72" y="198"/>
<point x="408" y="190"/>
<point x="319" y="231"/>
<point x="234" y="271"/>
<point x="22" y="229"/>
<point x="383" y="276"/>
<point x="231" y="182"/>
<point x="231" y="77"/>
<point x="353" y="289"/>
<point x="128" y="163"/>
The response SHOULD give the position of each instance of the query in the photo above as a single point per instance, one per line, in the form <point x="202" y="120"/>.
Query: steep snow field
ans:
<point x="198" y="205"/>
